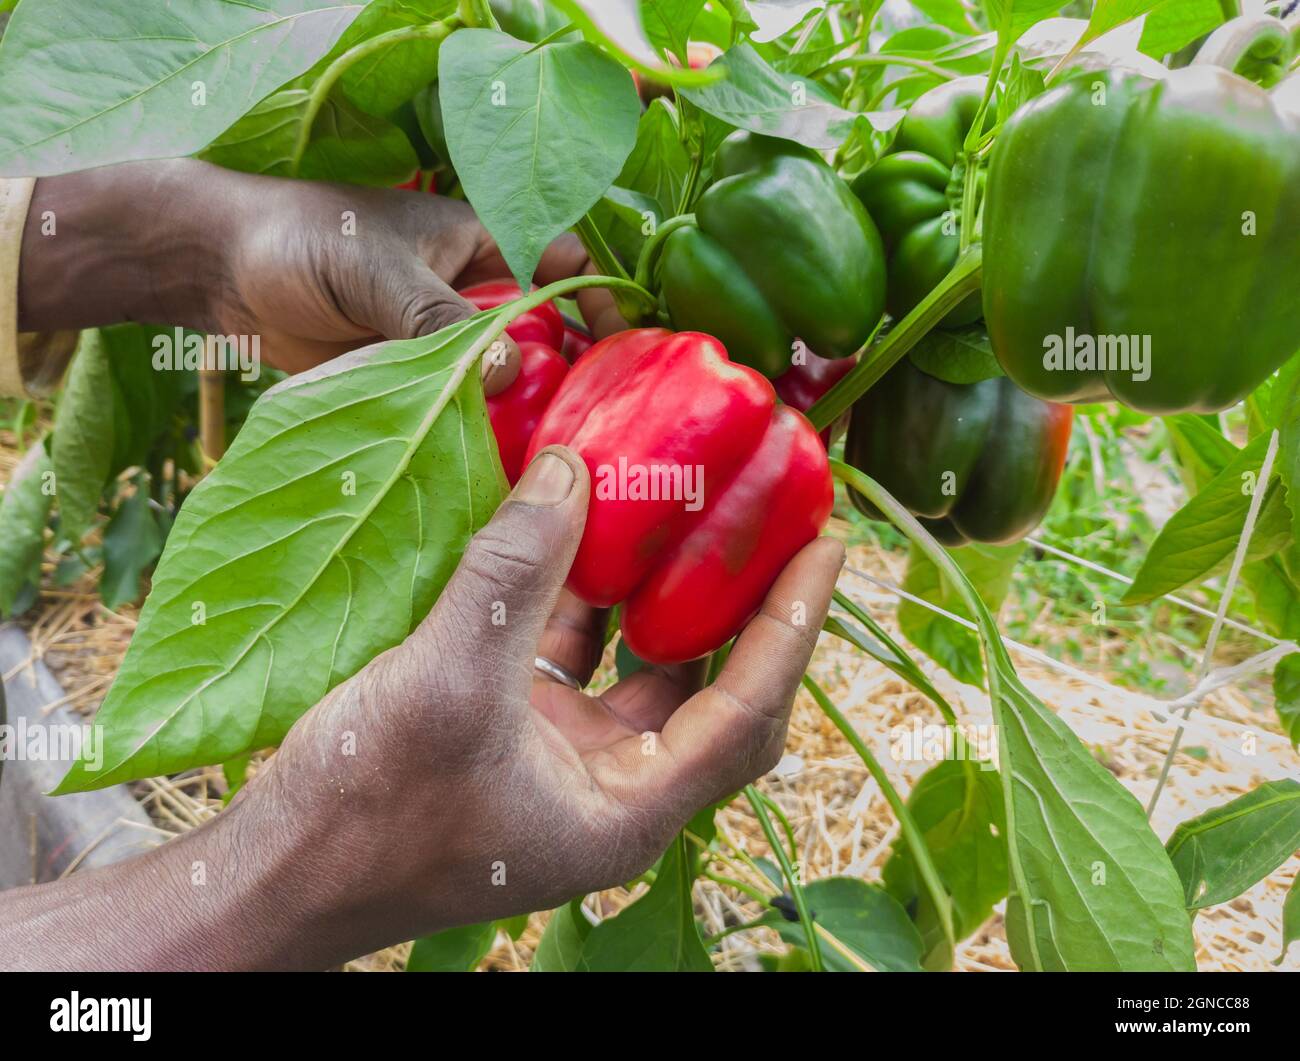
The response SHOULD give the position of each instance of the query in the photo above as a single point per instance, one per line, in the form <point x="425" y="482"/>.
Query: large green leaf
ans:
<point x="384" y="78"/>
<point x="24" y="509"/>
<point x="657" y="933"/>
<point x="320" y="540"/>
<point x="536" y="134"/>
<point x="1221" y="853"/>
<point x="1091" y="887"/>
<point x="863" y="918"/>
<point x="83" y="437"/>
<point x="85" y="85"/>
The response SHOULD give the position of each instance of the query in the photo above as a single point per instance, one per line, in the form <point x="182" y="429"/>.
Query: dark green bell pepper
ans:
<point x="974" y="461"/>
<point x="1129" y="218"/>
<point x="914" y="194"/>
<point x="782" y="251"/>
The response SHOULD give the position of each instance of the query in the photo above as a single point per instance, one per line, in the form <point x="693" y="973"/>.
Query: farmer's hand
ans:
<point x="480" y="788"/>
<point x="313" y="269"/>
<point x="449" y="783"/>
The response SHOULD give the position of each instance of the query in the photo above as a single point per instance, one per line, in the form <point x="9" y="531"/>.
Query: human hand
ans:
<point x="480" y="788"/>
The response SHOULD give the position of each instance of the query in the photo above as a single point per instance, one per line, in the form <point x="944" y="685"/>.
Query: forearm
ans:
<point x="243" y="892"/>
<point x="136" y="242"/>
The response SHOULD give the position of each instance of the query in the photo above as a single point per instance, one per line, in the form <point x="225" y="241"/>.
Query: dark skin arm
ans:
<point x="477" y="789"/>
<point x="314" y="269"/>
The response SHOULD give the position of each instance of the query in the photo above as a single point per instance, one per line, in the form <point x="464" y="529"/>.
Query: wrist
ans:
<point x="135" y="242"/>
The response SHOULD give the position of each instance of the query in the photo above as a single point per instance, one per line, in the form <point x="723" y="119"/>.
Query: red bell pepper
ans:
<point x="577" y="341"/>
<point x="702" y="487"/>
<point x="413" y="185"/>
<point x="541" y="325"/>
<point x="517" y="410"/>
<point x="802" y="386"/>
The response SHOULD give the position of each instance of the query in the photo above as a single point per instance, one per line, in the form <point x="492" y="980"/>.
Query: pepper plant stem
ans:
<point x="787" y="868"/>
<point x="963" y="280"/>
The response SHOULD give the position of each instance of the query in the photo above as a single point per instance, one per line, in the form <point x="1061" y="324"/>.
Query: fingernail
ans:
<point x="499" y="365"/>
<point x="548" y="481"/>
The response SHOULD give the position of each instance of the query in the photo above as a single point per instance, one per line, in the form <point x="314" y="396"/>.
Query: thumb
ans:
<point x="493" y="611"/>
<point x="423" y="303"/>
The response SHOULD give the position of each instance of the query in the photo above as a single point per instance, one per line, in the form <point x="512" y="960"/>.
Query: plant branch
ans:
<point x="787" y="869"/>
<point x="964" y="280"/>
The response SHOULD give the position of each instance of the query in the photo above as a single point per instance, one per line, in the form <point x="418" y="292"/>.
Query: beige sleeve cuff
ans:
<point x="31" y="363"/>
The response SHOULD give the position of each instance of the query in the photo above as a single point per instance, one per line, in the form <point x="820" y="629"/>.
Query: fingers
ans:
<point x="575" y="636"/>
<point x="733" y="732"/>
<point x="506" y="586"/>
<point x="500" y="366"/>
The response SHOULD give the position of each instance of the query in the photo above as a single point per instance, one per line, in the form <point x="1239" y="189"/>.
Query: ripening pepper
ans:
<point x="914" y="195"/>
<point x="782" y="251"/>
<point x="973" y="461"/>
<point x="806" y="382"/>
<point x="577" y="341"/>
<point x="1128" y="217"/>
<point x="517" y="410"/>
<point x="702" y="487"/>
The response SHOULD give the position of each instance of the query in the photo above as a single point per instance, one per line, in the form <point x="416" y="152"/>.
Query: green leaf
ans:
<point x="83" y="437"/>
<point x="954" y="647"/>
<point x="1286" y="696"/>
<point x="657" y="933"/>
<point x="1221" y="853"/>
<point x="1207" y="530"/>
<point x="958" y="806"/>
<point x="24" y="510"/>
<point x="536" y="134"/>
<point x="1290" y="919"/>
<point x="617" y="25"/>
<point x="652" y="179"/>
<point x="1203" y="451"/>
<point x="1091" y="886"/>
<point x="351" y="146"/>
<point x="560" y="948"/>
<point x="132" y="542"/>
<point x="457" y="950"/>
<point x="1174" y="24"/>
<point x="384" y="79"/>
<point x="758" y="97"/>
<point x="862" y="917"/>
<point x="320" y="540"/>
<point x="961" y="356"/>
<point x="668" y="24"/>
<point x="145" y="397"/>
<point x="85" y="85"/>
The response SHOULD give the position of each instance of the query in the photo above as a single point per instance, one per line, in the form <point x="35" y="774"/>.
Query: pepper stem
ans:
<point x="645" y="264"/>
<point x="964" y="280"/>
<point x="1259" y="48"/>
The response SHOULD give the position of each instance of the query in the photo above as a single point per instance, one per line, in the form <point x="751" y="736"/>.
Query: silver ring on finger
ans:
<point x="555" y="672"/>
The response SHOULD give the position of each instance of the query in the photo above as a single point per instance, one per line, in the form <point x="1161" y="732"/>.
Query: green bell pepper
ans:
<point x="914" y="193"/>
<point x="974" y="461"/>
<point x="782" y="251"/>
<point x="1140" y="239"/>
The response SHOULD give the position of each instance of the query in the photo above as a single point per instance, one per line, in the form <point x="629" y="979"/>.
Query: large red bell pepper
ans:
<point x="517" y="410"/>
<point x="702" y="487"/>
